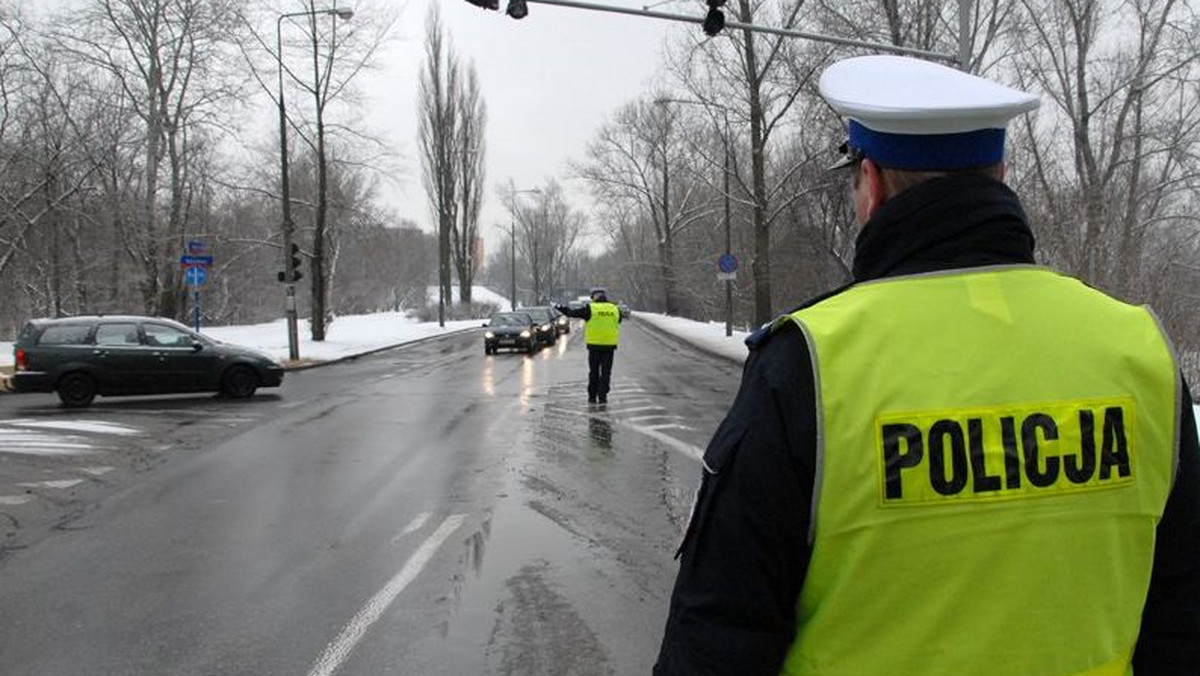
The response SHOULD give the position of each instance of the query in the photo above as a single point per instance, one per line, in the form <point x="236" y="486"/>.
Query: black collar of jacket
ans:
<point x="959" y="221"/>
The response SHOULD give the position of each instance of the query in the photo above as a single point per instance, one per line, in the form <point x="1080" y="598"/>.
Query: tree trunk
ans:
<point x="761" y="264"/>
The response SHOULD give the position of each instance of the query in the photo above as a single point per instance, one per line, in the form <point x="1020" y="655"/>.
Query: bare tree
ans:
<point x="641" y="159"/>
<point x="166" y="56"/>
<point x="472" y="145"/>
<point x="755" y="80"/>
<point x="548" y="232"/>
<point x="439" y="120"/>
<point x="1113" y="158"/>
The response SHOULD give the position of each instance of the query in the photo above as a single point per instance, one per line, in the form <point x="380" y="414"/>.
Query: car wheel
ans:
<point x="76" y="390"/>
<point x="239" y="382"/>
<point x="487" y="350"/>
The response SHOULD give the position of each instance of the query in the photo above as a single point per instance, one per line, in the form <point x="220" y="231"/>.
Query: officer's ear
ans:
<point x="870" y="190"/>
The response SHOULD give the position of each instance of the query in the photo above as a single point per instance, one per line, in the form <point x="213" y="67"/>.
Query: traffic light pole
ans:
<point x="289" y="266"/>
<point x="952" y="58"/>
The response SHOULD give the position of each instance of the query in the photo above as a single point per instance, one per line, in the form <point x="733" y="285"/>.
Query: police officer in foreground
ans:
<point x="601" y="332"/>
<point x="961" y="463"/>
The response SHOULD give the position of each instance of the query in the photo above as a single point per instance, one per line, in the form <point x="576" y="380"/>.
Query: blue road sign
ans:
<point x="195" y="276"/>
<point x="195" y="247"/>
<point x="196" y="260"/>
<point x="727" y="263"/>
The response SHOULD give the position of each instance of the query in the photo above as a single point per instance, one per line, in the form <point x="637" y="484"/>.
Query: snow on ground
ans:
<point x="345" y="337"/>
<point x="479" y="294"/>
<point x="709" y="336"/>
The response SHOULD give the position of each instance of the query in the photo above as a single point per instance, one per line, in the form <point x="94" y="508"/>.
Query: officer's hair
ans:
<point x="897" y="181"/>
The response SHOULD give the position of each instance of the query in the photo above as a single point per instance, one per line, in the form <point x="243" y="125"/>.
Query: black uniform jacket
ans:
<point x="744" y="557"/>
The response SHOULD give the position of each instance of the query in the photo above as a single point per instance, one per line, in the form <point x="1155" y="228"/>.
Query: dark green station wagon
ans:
<point x="81" y="357"/>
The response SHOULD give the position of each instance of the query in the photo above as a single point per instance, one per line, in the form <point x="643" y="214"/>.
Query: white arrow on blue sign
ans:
<point x="195" y="276"/>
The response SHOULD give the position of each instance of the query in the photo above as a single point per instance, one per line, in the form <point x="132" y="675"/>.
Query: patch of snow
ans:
<point x="479" y="294"/>
<point x="346" y="336"/>
<point x="709" y="336"/>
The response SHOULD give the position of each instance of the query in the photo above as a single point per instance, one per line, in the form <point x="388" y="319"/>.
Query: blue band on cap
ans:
<point x="978" y="148"/>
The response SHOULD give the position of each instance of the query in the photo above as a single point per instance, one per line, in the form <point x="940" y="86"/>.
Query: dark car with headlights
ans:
<point x="510" y="330"/>
<point x="81" y="357"/>
<point x="546" y="320"/>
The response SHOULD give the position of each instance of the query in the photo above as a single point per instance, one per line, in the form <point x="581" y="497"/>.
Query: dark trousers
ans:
<point x="599" y="372"/>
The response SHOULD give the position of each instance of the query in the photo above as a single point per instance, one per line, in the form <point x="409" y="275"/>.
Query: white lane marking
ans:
<point x="670" y="426"/>
<point x="644" y="418"/>
<point x="15" y="499"/>
<point x="637" y="400"/>
<point x="64" y="484"/>
<point x="337" y="651"/>
<point x="689" y="451"/>
<point x="99" y="470"/>
<point x="694" y="452"/>
<point x="43" y="448"/>
<point x="636" y="409"/>
<point x="93" y="426"/>
<point x="414" y="525"/>
<point x="294" y="404"/>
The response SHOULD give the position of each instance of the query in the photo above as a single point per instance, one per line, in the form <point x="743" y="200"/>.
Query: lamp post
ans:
<point x="288" y="227"/>
<point x="725" y="191"/>
<point x="512" y="230"/>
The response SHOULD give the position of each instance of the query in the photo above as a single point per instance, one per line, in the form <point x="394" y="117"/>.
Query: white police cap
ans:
<point x="905" y="113"/>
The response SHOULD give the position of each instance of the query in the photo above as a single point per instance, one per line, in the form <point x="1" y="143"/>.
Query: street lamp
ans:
<point x="725" y="189"/>
<point x="289" y="262"/>
<point x="512" y="246"/>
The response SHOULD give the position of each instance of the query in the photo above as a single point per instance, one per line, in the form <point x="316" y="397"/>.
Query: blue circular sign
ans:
<point x="727" y="263"/>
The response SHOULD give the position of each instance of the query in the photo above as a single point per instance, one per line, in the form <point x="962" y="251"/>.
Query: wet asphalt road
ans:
<point x="427" y="510"/>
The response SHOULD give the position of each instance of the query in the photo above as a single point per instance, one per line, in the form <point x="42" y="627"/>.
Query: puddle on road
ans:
<point x="513" y="617"/>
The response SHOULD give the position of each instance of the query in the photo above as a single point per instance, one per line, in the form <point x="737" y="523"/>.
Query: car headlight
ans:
<point x="489" y="335"/>
<point x="525" y="334"/>
<point x="547" y="327"/>
<point x="562" y="320"/>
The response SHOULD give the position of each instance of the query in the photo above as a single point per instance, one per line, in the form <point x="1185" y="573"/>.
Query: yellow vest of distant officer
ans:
<point x="604" y="326"/>
<point x="995" y="449"/>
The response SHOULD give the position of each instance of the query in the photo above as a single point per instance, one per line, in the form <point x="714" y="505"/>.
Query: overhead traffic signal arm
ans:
<point x="713" y="23"/>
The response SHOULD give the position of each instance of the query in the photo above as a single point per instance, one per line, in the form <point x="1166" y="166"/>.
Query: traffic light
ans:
<point x="296" y="274"/>
<point x="486" y="4"/>
<point x="714" y="22"/>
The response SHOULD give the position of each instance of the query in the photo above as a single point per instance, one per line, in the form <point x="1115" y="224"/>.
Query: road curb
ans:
<point x="692" y="344"/>
<point x="377" y="350"/>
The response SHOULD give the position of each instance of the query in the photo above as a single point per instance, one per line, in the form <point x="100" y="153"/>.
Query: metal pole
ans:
<point x="196" y="306"/>
<point x="964" y="35"/>
<point x="289" y="270"/>
<point x="512" y="248"/>
<point x="752" y="27"/>
<point x="728" y="238"/>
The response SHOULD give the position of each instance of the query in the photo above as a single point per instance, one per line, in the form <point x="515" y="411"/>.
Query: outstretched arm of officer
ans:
<point x="1169" y="641"/>
<point x="582" y="313"/>
<point x="745" y="551"/>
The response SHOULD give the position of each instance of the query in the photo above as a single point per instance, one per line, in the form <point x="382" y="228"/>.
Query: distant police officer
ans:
<point x="960" y="464"/>
<point x="602" y="332"/>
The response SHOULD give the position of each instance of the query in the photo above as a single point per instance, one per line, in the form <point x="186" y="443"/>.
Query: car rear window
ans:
<point x="65" y="334"/>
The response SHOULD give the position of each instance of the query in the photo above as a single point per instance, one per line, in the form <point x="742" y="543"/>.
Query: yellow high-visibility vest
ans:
<point x="604" y="328"/>
<point x="995" y="450"/>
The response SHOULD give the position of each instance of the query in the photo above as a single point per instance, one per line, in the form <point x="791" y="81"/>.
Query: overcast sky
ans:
<point x="550" y="81"/>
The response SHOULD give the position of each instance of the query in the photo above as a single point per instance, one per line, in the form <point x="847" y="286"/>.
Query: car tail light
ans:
<point x="19" y="353"/>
